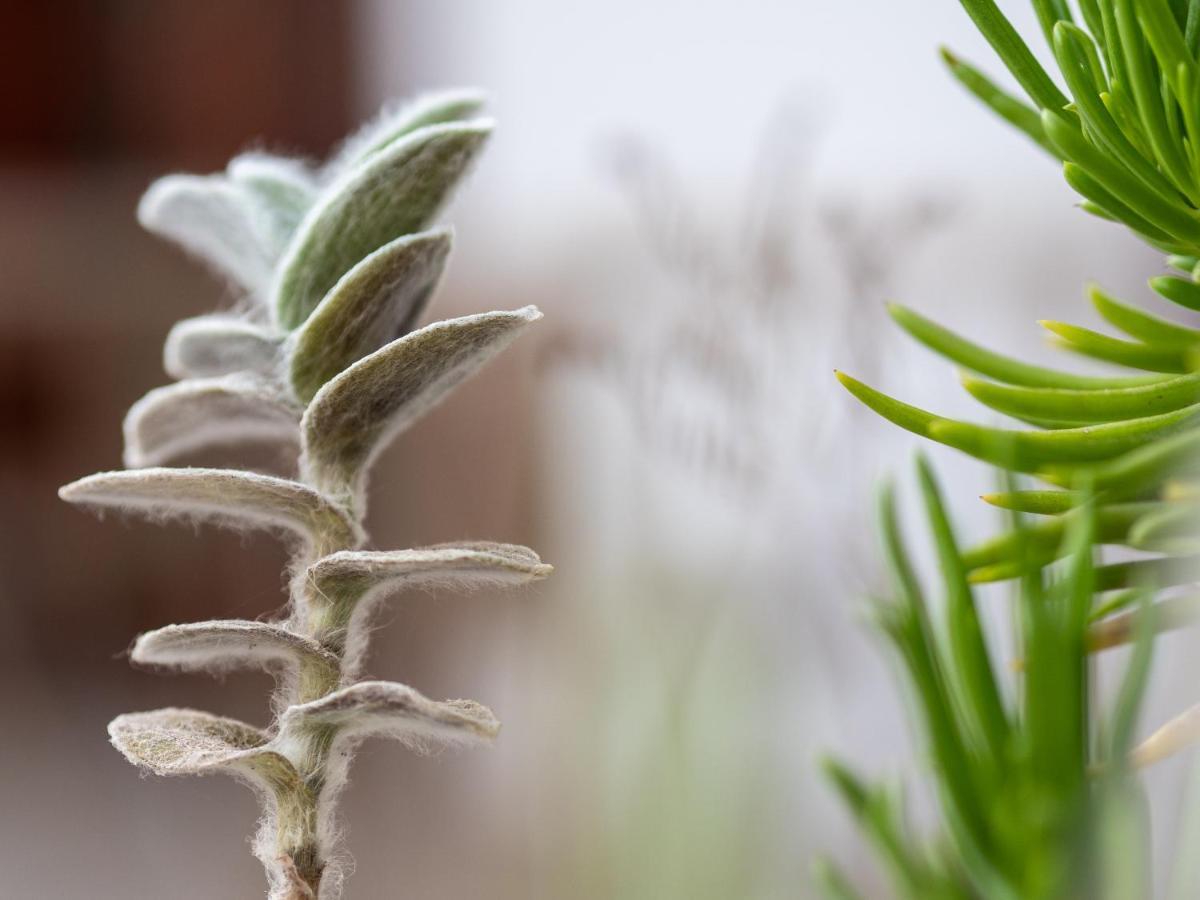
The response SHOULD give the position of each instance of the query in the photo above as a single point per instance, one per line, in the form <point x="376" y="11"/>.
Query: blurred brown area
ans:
<point x="99" y="98"/>
<point x="170" y="80"/>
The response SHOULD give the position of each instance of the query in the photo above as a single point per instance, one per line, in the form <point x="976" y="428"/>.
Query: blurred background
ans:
<point x="710" y="201"/>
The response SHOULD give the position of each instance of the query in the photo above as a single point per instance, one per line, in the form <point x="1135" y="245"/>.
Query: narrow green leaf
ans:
<point x="1002" y="368"/>
<point x="1173" y="218"/>
<point x="1146" y="88"/>
<point x="1042" y="503"/>
<point x="1018" y="114"/>
<point x="879" y="821"/>
<point x="1142" y="325"/>
<point x="1186" y="264"/>
<point x="1141" y="469"/>
<point x="1042" y="542"/>
<point x="1167" y="41"/>
<point x="1153" y="358"/>
<point x="1100" y="202"/>
<point x="1013" y="51"/>
<point x="1087" y="407"/>
<point x="968" y="649"/>
<point x="1133" y="684"/>
<point x="1025" y="451"/>
<point x="1178" y="290"/>
<point x="1036" y="451"/>
<point x="1080" y="65"/>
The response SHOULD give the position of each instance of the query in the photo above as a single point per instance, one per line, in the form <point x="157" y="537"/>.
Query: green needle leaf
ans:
<point x="1043" y="503"/>
<point x="1026" y="451"/>
<point x="1156" y="358"/>
<point x="1087" y="407"/>
<point x="1178" y="290"/>
<point x="968" y="649"/>
<point x="1014" y="53"/>
<point x="1171" y="217"/>
<point x="1142" y="325"/>
<point x="1018" y="114"/>
<point x="993" y="365"/>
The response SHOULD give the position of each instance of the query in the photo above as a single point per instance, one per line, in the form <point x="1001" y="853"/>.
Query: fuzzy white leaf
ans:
<point x="397" y="191"/>
<point x="205" y="412"/>
<point x="208" y="346"/>
<point x="354" y="415"/>
<point x="216" y="220"/>
<point x="430" y="109"/>
<point x="386" y="709"/>
<point x="283" y="188"/>
<point x="224" y="644"/>
<point x="225" y="496"/>
<point x="341" y="590"/>
<point x="375" y="302"/>
<point x="190" y="742"/>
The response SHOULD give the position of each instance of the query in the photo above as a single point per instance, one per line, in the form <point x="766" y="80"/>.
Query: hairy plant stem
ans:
<point x="298" y="827"/>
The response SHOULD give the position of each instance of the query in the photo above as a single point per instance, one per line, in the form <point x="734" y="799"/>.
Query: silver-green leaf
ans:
<point x="430" y="109"/>
<point x="217" y="221"/>
<point x="397" y="191"/>
<point x="340" y="590"/>
<point x="208" y="346"/>
<point x="226" y="497"/>
<point x="378" y="300"/>
<point x="200" y="413"/>
<point x="386" y="709"/>
<point x="225" y="644"/>
<point x="190" y="742"/>
<point x="352" y="417"/>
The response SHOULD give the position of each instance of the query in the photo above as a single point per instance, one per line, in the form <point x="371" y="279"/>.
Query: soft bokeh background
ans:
<point x="709" y="200"/>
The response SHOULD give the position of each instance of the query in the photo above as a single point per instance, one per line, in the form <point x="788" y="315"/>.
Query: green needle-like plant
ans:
<point x="336" y="265"/>
<point x="1027" y="781"/>
<point x="1035" y="789"/>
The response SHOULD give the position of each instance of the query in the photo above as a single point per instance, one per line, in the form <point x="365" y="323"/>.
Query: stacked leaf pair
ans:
<point x="336" y="265"/>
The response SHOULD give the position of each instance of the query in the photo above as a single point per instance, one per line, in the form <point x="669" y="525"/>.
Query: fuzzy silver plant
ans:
<point x="336" y="264"/>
